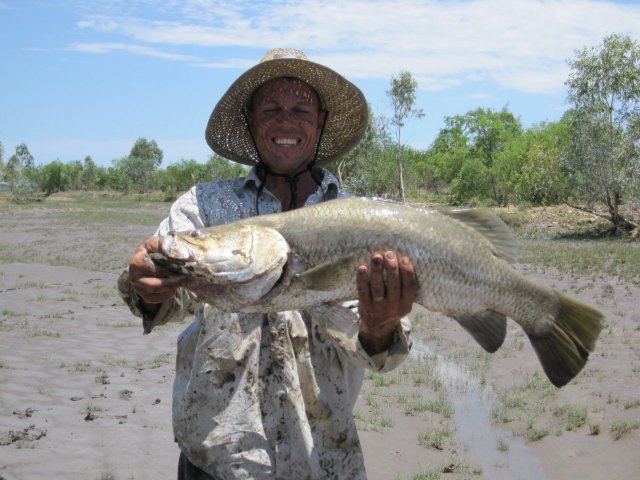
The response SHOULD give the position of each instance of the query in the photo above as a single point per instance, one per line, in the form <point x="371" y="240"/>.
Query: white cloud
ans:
<point x="128" y="48"/>
<point x="521" y="45"/>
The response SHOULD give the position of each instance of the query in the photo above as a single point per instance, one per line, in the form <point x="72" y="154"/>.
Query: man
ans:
<point x="271" y="396"/>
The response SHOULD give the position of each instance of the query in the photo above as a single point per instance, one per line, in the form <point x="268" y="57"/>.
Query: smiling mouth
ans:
<point x="285" y="141"/>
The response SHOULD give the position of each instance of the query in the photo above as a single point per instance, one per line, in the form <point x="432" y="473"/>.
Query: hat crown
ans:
<point x="282" y="53"/>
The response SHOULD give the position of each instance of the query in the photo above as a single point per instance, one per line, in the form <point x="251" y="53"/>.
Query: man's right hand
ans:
<point x="153" y="284"/>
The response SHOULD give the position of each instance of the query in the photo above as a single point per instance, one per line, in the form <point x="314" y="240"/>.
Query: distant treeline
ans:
<point x="483" y="157"/>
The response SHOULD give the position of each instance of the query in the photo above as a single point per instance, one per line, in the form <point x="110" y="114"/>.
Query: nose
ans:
<point x="286" y="116"/>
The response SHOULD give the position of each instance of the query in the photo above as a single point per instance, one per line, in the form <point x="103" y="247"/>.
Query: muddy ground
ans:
<point x="84" y="395"/>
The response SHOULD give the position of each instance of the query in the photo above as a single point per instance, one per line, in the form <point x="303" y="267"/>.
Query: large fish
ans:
<point x="308" y="256"/>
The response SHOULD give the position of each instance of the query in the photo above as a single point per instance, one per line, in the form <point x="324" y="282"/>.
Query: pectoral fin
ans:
<point x="329" y="276"/>
<point x="487" y="328"/>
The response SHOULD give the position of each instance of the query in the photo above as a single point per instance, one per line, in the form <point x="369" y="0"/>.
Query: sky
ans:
<point x="83" y="77"/>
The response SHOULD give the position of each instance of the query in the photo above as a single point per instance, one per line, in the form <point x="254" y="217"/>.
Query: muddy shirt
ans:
<point x="266" y="396"/>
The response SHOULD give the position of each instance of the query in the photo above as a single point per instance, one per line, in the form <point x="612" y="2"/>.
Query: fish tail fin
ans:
<point x="487" y="328"/>
<point x="564" y="350"/>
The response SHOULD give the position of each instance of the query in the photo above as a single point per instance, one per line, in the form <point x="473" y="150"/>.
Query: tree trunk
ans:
<point x="401" y="177"/>
<point x="620" y="224"/>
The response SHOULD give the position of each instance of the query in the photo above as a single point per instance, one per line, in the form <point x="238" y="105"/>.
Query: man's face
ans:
<point x="286" y="122"/>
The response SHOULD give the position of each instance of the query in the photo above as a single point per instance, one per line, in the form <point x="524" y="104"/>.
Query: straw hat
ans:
<point x="227" y="131"/>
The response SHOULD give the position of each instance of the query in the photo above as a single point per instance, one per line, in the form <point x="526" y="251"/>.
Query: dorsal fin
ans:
<point x="498" y="234"/>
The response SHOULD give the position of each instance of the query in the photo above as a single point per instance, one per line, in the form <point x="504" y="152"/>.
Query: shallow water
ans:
<point x="474" y="431"/>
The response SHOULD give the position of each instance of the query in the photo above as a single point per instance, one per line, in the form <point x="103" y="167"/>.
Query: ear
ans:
<point x="248" y="117"/>
<point x="322" y="116"/>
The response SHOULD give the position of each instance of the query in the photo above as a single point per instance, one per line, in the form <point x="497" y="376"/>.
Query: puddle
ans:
<point x="474" y="431"/>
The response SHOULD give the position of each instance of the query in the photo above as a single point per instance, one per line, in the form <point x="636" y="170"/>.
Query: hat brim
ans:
<point x="228" y="134"/>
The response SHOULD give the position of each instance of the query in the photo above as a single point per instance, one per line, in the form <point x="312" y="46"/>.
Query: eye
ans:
<point x="269" y="113"/>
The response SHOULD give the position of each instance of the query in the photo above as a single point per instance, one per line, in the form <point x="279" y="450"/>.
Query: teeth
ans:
<point x="285" y="141"/>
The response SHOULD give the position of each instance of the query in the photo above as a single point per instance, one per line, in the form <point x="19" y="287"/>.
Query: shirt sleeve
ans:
<point x="341" y="324"/>
<point x="184" y="215"/>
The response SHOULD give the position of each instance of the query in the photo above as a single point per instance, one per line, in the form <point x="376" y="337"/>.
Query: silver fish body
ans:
<point x="461" y="259"/>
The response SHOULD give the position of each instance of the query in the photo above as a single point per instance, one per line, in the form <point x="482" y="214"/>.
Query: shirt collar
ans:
<point x="329" y="180"/>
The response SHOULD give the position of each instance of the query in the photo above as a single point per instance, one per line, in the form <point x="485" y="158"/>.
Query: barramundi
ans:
<point x="462" y="259"/>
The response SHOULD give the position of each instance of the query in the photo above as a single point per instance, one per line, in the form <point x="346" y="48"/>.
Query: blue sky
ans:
<point x="81" y="77"/>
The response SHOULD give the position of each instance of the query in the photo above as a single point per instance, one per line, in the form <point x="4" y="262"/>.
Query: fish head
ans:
<point x="229" y="253"/>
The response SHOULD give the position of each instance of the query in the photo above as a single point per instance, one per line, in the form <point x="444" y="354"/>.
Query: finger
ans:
<point x="152" y="244"/>
<point x="140" y="263"/>
<point x="392" y="276"/>
<point x="156" y="289"/>
<point x="159" y="284"/>
<point x="376" y="277"/>
<point x="362" y="283"/>
<point x="409" y="284"/>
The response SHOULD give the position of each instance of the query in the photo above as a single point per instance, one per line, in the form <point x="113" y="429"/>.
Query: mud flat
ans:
<point x="84" y="395"/>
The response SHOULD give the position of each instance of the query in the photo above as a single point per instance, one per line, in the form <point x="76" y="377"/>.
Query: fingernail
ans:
<point x="390" y="256"/>
<point x="405" y="260"/>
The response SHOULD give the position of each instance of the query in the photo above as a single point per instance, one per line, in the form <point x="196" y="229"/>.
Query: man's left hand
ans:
<point x="387" y="288"/>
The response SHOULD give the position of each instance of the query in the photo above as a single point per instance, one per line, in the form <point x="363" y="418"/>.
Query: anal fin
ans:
<point x="488" y="328"/>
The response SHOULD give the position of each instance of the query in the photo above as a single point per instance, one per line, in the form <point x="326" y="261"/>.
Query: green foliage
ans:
<point x="23" y="191"/>
<point x="370" y="168"/>
<point x="136" y="171"/>
<point x="219" y="168"/>
<point x="181" y="176"/>
<point x="148" y="151"/>
<point x="620" y="428"/>
<point x="604" y="88"/>
<point x="52" y="178"/>
<point x="472" y="181"/>
<point x="89" y="175"/>
<point x="541" y="178"/>
<point x="572" y="416"/>
<point x="24" y="156"/>
<point x="486" y="135"/>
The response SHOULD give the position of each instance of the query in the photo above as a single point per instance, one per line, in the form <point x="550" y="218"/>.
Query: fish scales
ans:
<point x="461" y="258"/>
<point x="445" y="253"/>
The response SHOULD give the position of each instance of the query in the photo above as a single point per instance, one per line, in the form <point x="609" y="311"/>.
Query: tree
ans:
<point x="403" y="98"/>
<point x="604" y="89"/>
<point x="24" y="156"/>
<point x="472" y="182"/>
<point x="89" y="174"/>
<point x="448" y="153"/>
<point x="53" y="178"/>
<point x="219" y="168"/>
<point x="480" y="135"/>
<point x="12" y="170"/>
<point x="20" y="169"/>
<point x="541" y="178"/>
<point x="489" y="132"/>
<point x="139" y="166"/>
<point x="148" y="151"/>
<point x="363" y="170"/>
